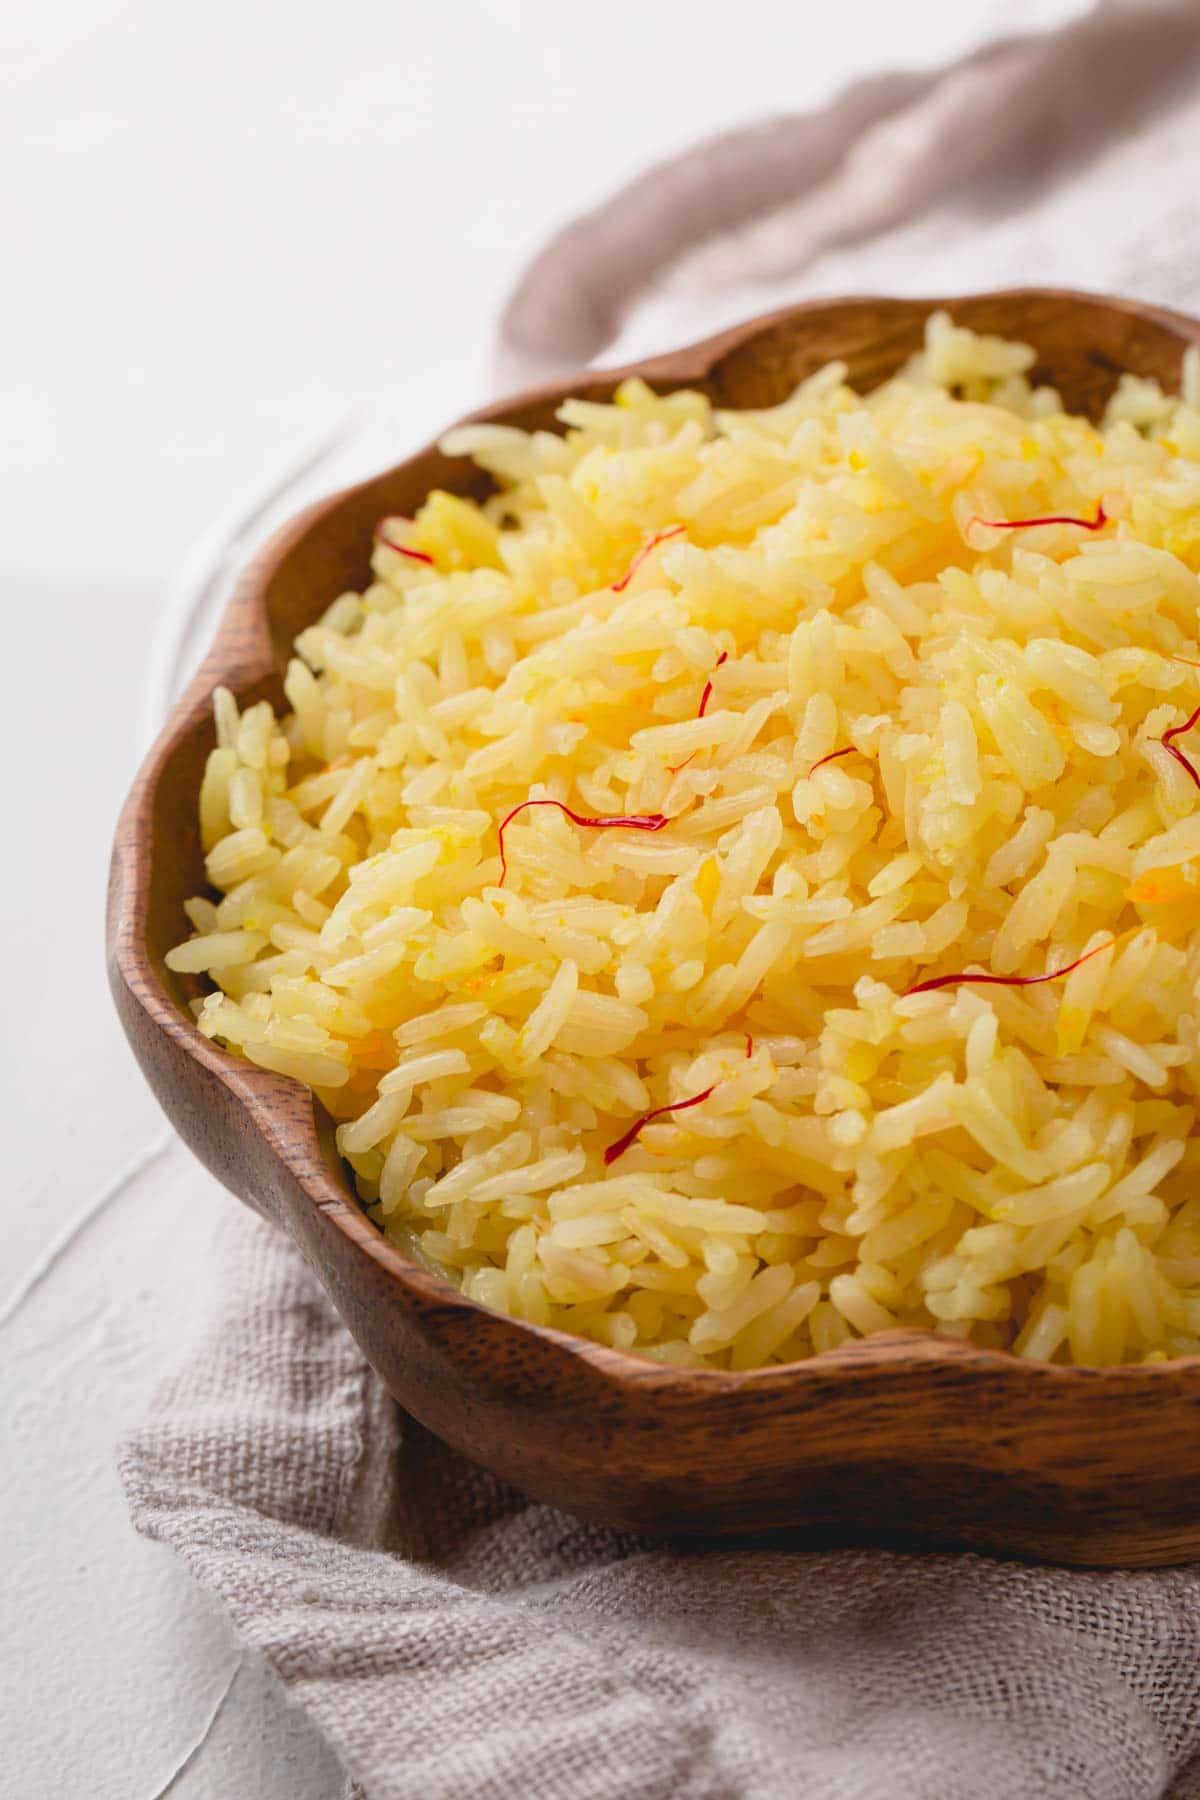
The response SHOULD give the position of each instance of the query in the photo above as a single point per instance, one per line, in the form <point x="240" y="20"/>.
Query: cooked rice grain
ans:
<point x="1007" y="1164"/>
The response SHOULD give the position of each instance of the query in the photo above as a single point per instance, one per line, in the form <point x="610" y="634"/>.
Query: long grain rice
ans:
<point x="1013" y="1165"/>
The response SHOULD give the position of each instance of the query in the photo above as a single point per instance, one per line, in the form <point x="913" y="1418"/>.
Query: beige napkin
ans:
<point x="452" y="1640"/>
<point x="1065" y="158"/>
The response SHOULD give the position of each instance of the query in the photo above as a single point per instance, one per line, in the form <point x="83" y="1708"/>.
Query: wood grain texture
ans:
<point x="902" y="1437"/>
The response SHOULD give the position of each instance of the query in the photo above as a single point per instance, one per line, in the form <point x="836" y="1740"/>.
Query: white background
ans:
<point x="222" y="229"/>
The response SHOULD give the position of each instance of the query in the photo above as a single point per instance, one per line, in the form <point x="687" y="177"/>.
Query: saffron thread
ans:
<point x="631" y="821"/>
<point x="1172" y="750"/>
<point x="705" y="697"/>
<point x="941" y="981"/>
<point x="651" y="544"/>
<point x="832" y="757"/>
<point x="389" y="543"/>
<point x="630" y="1137"/>
<point x="1100" y="519"/>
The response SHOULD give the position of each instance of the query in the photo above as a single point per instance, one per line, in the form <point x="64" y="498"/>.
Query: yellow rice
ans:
<point x="1010" y="1164"/>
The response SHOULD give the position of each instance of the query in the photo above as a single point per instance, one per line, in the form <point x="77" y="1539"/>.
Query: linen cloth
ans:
<point x="448" y="1637"/>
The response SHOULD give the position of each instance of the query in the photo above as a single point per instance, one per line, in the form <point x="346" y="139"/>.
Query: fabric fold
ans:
<point x="452" y="1639"/>
<point x="761" y="205"/>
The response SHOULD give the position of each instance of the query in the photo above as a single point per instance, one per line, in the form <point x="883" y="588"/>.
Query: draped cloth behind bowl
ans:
<point x="451" y="1639"/>
<point x="1035" y="160"/>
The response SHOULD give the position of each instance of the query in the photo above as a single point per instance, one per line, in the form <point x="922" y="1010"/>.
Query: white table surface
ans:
<point x="224" y="229"/>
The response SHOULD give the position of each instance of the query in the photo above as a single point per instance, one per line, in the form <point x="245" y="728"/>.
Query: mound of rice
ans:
<point x="1008" y="1163"/>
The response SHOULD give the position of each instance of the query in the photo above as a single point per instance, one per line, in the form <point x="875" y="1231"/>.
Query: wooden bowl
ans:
<point x="905" y="1436"/>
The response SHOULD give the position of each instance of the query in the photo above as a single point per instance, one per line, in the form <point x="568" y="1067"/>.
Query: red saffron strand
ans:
<point x="630" y="1137"/>
<point x="1172" y="750"/>
<point x="705" y="697"/>
<point x="651" y="544"/>
<point x="632" y="822"/>
<point x="941" y="981"/>
<point x="381" y="537"/>
<point x="1095" y="524"/>
<point x="1182" y="760"/>
<point x="832" y="757"/>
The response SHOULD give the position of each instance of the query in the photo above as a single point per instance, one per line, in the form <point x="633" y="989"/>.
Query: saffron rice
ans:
<point x="675" y="612"/>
